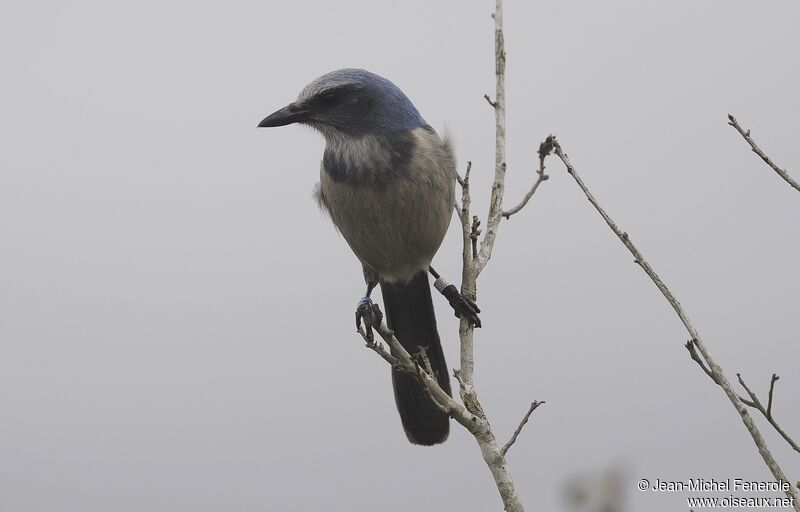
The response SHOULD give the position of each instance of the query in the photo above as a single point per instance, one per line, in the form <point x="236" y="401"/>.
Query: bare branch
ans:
<point x="522" y="423"/>
<point x="499" y="103"/>
<point x="542" y="178"/>
<point x="404" y="362"/>
<point x="489" y="101"/>
<point x="378" y="349"/>
<point x="771" y="390"/>
<point x="767" y="412"/>
<point x="757" y="150"/>
<point x="469" y="396"/>
<point x="461" y="384"/>
<point x="461" y="181"/>
<point x="545" y="148"/>
<point x="468" y="274"/>
<point x="753" y="402"/>
<point x="715" y="369"/>
<point x="474" y="233"/>
<point x="422" y="355"/>
<point x="696" y="358"/>
<point x="463" y="210"/>
<point x="474" y="260"/>
<point x="756" y="403"/>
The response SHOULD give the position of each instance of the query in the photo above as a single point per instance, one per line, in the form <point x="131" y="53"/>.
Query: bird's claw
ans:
<point x="371" y="314"/>
<point x="463" y="306"/>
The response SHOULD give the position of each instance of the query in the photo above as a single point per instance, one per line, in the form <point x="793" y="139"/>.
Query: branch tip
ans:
<point x="545" y="148"/>
<point x="522" y="423"/>
<point x="757" y="150"/>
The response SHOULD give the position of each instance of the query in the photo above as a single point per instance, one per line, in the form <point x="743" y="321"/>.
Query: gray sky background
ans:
<point x="176" y="327"/>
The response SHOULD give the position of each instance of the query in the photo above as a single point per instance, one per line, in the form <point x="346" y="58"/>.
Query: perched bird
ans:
<point x="388" y="183"/>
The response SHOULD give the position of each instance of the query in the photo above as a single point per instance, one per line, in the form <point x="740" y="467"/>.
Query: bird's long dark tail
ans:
<point x="409" y="313"/>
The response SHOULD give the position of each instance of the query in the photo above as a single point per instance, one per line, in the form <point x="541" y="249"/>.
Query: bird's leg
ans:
<point x="367" y="310"/>
<point x="463" y="306"/>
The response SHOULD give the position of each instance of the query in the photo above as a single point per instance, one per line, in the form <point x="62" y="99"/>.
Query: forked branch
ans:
<point x="714" y="370"/>
<point x="753" y="401"/>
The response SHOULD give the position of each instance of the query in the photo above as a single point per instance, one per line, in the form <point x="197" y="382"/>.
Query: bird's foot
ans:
<point x="371" y="314"/>
<point x="463" y="306"/>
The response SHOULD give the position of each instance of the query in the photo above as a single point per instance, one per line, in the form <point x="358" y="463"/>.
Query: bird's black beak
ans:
<point x="291" y="113"/>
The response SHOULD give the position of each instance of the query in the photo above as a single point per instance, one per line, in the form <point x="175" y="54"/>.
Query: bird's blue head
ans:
<point x="350" y="102"/>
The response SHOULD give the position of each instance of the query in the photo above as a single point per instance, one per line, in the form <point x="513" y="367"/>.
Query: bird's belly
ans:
<point x="394" y="230"/>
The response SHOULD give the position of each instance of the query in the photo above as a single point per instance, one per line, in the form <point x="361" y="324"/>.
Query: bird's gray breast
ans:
<point x="372" y="161"/>
<point x="391" y="197"/>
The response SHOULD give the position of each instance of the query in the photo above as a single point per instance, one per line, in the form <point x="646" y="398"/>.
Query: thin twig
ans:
<point x="545" y="148"/>
<point x="464" y="183"/>
<point x="489" y="101"/>
<point x="422" y="354"/>
<point x="696" y="358"/>
<point x="771" y="390"/>
<point x="767" y="412"/>
<point x="457" y="375"/>
<point x="474" y="233"/>
<point x="378" y="349"/>
<point x="757" y="150"/>
<point x="715" y="369"/>
<point x="522" y="423"/>
<point x="463" y="210"/>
